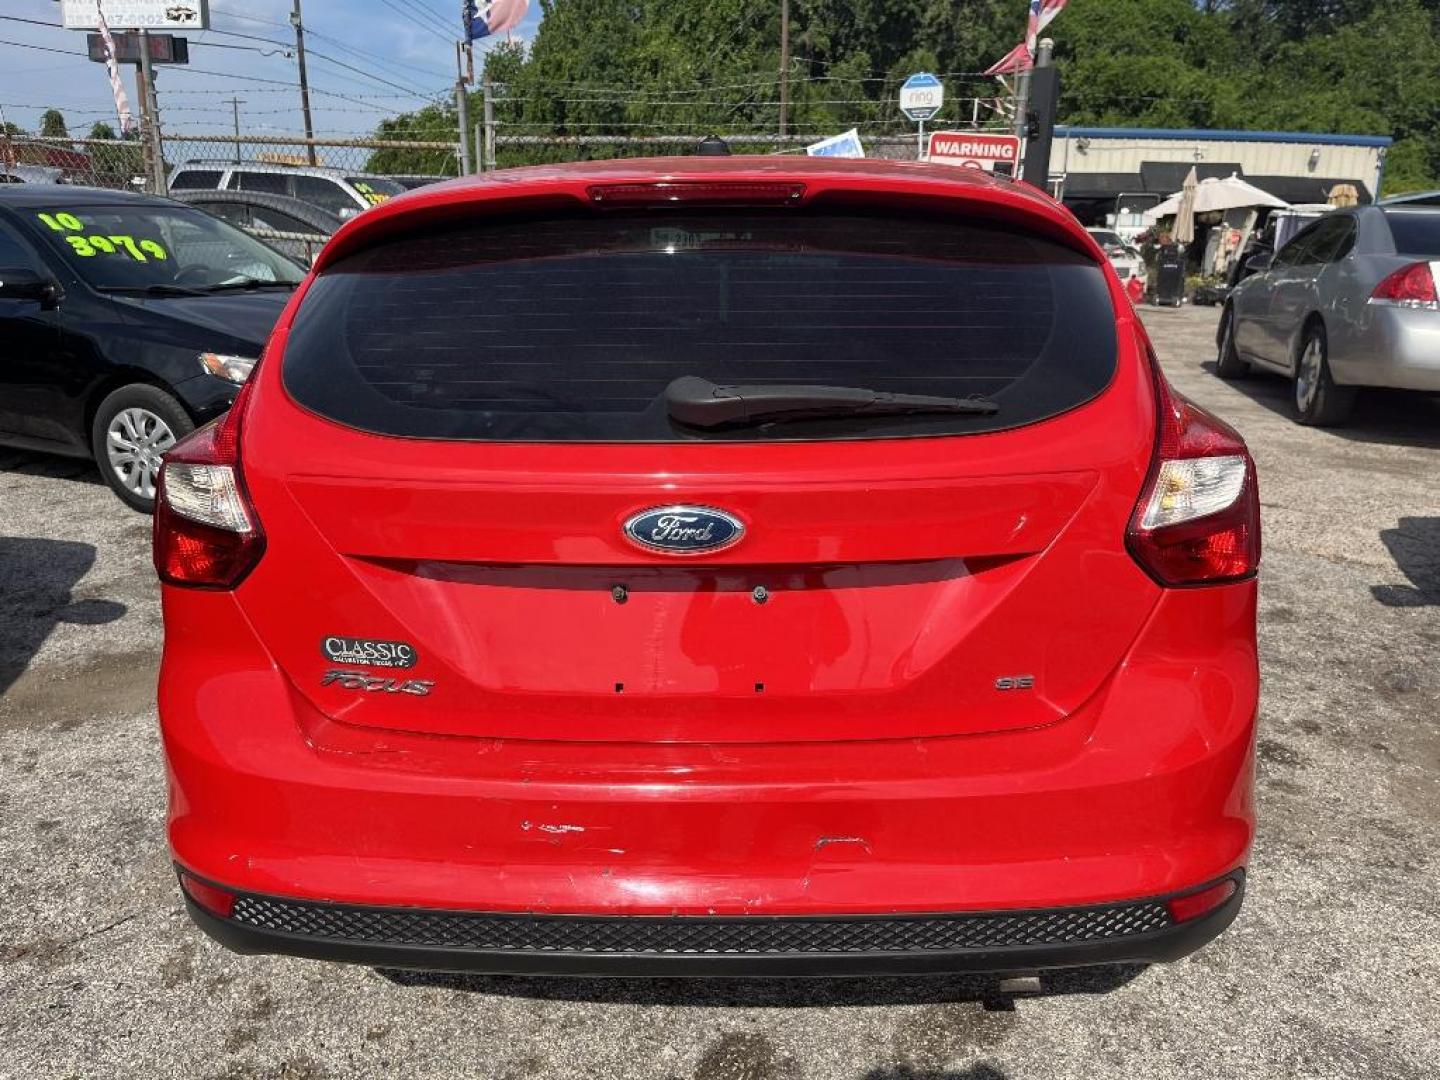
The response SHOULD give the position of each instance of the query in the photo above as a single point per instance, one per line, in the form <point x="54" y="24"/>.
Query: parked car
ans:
<point x="711" y="565"/>
<point x="416" y="180"/>
<point x="1413" y="198"/>
<point x="1350" y="301"/>
<point x="32" y="174"/>
<point x="292" y="227"/>
<point x="125" y="321"/>
<point x="337" y="191"/>
<point x="1125" y="258"/>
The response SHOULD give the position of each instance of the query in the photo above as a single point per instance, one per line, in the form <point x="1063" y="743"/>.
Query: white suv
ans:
<point x="341" y="193"/>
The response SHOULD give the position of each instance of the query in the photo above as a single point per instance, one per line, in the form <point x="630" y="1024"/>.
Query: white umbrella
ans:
<point x="1230" y="193"/>
<point x="1185" y="212"/>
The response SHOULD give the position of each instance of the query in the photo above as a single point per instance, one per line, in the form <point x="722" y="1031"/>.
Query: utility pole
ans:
<point x="784" y="64"/>
<point x="487" y="152"/>
<point x="299" y="26"/>
<point x="154" y="153"/>
<point x="462" y="106"/>
<point x="235" y="104"/>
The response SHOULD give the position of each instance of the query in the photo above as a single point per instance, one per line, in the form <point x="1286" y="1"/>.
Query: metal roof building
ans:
<point x="1092" y="166"/>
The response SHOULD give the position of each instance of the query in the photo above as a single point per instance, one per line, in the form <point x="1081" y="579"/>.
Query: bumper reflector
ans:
<point x="1193" y="905"/>
<point x="212" y="898"/>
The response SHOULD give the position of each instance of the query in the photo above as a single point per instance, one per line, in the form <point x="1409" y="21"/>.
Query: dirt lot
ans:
<point x="1330" y="971"/>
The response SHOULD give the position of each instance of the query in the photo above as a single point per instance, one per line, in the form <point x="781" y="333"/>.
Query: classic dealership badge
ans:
<point x="684" y="529"/>
<point x="368" y="652"/>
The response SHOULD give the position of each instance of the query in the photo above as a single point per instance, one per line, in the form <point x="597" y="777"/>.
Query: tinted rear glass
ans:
<point x="570" y="329"/>
<point x="1416" y="233"/>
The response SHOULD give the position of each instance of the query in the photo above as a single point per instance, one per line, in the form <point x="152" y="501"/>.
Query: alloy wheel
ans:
<point x="1307" y="379"/>
<point x="135" y="442"/>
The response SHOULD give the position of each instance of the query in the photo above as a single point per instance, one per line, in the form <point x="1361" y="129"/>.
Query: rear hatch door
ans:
<point x="447" y="446"/>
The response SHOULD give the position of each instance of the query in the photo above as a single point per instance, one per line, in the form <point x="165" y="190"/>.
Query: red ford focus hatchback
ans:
<point x="711" y="566"/>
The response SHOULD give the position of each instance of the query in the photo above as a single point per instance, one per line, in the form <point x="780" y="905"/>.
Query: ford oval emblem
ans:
<point x="684" y="530"/>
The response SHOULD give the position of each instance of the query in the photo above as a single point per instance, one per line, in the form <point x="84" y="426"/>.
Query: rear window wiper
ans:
<point x="701" y="403"/>
<point x="151" y="290"/>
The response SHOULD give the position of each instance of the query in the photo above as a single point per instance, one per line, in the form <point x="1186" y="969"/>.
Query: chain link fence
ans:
<point x="124" y="163"/>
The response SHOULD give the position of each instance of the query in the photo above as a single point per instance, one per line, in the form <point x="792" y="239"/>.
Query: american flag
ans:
<point x="1022" y="57"/>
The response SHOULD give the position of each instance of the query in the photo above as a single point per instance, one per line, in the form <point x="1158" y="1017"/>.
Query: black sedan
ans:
<point x="125" y="322"/>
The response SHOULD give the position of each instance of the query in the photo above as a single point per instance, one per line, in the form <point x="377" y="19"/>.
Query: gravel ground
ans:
<point x="1330" y="971"/>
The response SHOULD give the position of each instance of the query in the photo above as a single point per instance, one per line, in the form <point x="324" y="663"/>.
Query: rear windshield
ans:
<point x="1416" y="233"/>
<point x="569" y="329"/>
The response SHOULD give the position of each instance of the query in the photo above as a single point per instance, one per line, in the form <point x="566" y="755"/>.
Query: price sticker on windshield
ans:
<point x="373" y="197"/>
<point x="89" y="246"/>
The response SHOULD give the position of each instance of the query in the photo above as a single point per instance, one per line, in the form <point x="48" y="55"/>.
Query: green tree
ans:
<point x="115" y="164"/>
<point x="431" y="124"/>
<point x="52" y="124"/>
<point x="611" y="68"/>
<point x="1377" y="76"/>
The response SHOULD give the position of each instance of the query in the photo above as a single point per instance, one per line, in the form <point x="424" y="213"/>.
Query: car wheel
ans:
<point x="133" y="428"/>
<point x="1318" y="400"/>
<point x="1228" y="362"/>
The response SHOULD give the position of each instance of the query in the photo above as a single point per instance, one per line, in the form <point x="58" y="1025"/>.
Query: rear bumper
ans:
<point x="1398" y="348"/>
<point x="1145" y="791"/>
<point x="1135" y="932"/>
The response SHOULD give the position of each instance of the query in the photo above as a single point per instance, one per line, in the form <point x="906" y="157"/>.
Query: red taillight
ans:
<point x="212" y="898"/>
<point x="667" y="192"/>
<point x="1195" y="904"/>
<point x="1410" y="286"/>
<point x="206" y="533"/>
<point x="1197" y="521"/>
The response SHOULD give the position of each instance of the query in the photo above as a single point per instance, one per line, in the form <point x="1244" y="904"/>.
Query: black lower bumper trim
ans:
<point x="1134" y="932"/>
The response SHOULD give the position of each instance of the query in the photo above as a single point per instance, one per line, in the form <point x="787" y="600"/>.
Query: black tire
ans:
<point x="144" y="421"/>
<point x="1229" y="364"/>
<point x="1319" y="401"/>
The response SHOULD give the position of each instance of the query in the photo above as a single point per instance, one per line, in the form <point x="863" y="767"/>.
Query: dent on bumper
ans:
<point x="1145" y="791"/>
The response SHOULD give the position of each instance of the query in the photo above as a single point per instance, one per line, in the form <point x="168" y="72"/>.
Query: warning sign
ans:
<point x="975" y="149"/>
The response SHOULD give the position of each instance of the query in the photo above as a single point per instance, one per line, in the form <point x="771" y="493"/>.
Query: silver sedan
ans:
<point x="1349" y="302"/>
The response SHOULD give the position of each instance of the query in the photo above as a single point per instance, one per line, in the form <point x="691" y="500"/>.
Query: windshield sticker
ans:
<point x="373" y="197"/>
<point x="87" y="247"/>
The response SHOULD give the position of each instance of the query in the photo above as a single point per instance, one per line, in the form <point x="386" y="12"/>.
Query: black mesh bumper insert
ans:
<point x="698" y="936"/>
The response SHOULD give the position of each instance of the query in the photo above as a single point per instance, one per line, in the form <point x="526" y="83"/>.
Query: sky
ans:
<point x="404" y="50"/>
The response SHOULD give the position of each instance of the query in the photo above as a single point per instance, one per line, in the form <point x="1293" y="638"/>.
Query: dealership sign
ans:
<point x="975" y="149"/>
<point x="137" y="14"/>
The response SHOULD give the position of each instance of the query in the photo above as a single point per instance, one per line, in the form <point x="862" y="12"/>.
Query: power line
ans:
<point x="32" y="22"/>
<point x="433" y="17"/>
<point x="416" y="22"/>
<point x="38" y="48"/>
<point x="249" y="18"/>
<point x="275" y="82"/>
<point x="361" y="71"/>
<point x="375" y="57"/>
<point x="434" y="12"/>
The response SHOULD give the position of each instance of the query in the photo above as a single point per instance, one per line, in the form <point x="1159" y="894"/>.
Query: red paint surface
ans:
<point x="840" y="748"/>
